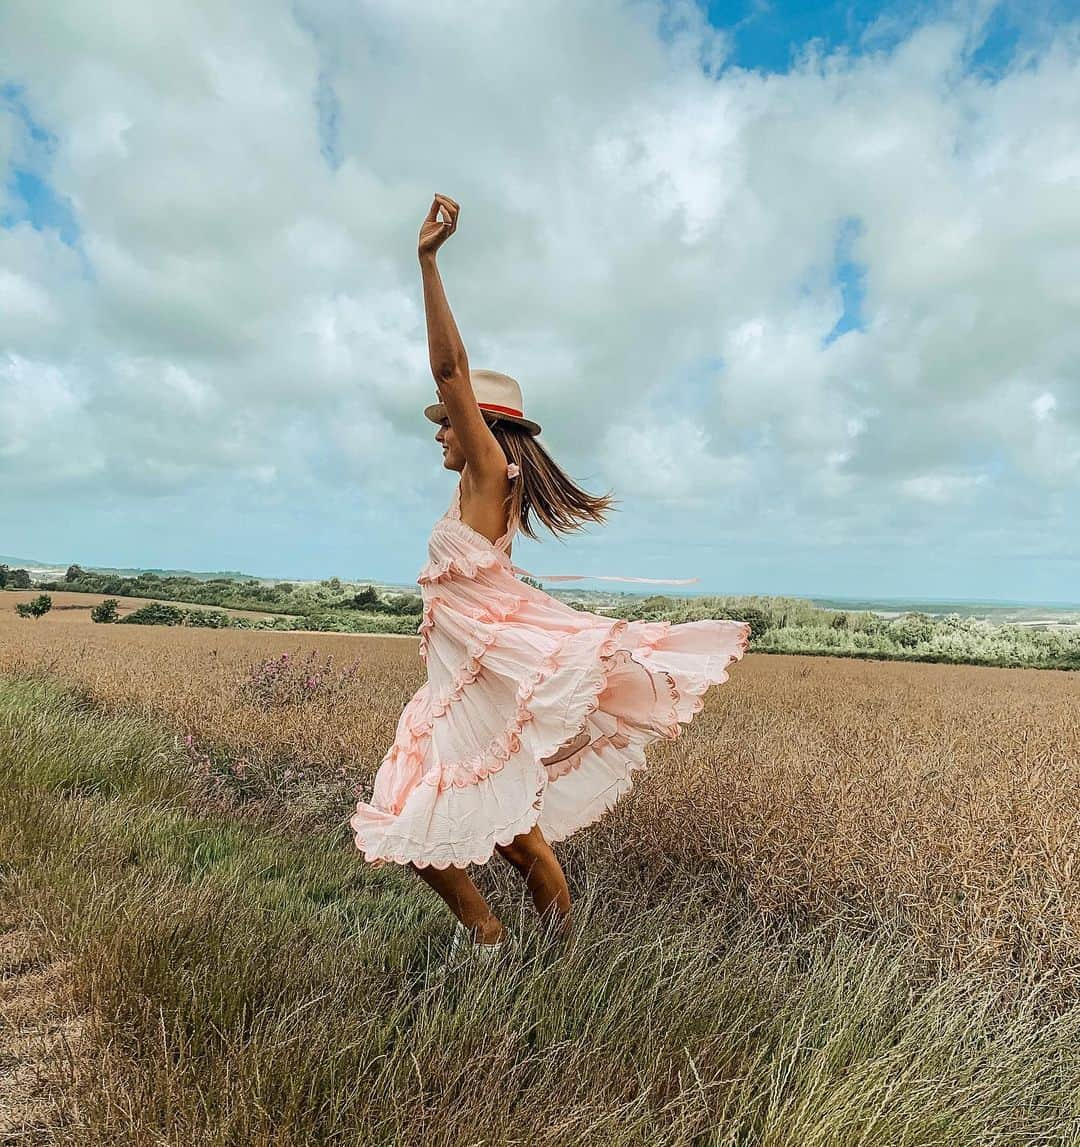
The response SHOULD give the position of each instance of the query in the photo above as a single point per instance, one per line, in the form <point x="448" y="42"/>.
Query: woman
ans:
<point x="534" y="714"/>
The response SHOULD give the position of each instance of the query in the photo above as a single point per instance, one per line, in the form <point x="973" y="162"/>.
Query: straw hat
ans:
<point x="495" y="392"/>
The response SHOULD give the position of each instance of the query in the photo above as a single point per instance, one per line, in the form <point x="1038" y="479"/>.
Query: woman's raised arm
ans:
<point x="446" y="351"/>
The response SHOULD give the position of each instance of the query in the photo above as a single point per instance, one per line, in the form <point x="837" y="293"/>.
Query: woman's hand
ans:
<point x="435" y="231"/>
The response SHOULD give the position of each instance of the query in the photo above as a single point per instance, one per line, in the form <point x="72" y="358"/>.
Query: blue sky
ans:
<point x="767" y="36"/>
<point x="793" y="281"/>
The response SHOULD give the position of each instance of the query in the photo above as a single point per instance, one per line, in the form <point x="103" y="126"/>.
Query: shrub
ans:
<point x="159" y="613"/>
<point x="366" y="597"/>
<point x="912" y="629"/>
<point x="36" y="608"/>
<point x="104" y="611"/>
<point x="207" y="618"/>
<point x="155" y="613"/>
<point x="756" y="619"/>
<point x="405" y="604"/>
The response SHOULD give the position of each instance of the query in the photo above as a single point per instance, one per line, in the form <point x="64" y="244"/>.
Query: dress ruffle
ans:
<point x="513" y="675"/>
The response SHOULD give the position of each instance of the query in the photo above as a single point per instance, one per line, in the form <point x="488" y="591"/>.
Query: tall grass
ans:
<point x="248" y="987"/>
<point x="938" y="803"/>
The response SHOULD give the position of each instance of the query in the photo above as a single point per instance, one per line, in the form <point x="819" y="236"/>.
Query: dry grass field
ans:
<point x="941" y="803"/>
<point x="840" y="909"/>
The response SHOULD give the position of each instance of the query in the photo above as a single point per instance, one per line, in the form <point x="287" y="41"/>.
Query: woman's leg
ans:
<point x="531" y="855"/>
<point x="455" y="886"/>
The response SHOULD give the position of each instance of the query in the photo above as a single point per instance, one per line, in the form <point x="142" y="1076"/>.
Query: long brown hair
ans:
<point x="543" y="490"/>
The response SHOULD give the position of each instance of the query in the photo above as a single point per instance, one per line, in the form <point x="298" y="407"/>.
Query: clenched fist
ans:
<point x="435" y="231"/>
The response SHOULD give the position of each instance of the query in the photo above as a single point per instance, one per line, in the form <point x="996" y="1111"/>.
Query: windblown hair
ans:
<point x="543" y="490"/>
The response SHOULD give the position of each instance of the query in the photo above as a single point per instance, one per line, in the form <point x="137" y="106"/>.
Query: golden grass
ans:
<point x="239" y="986"/>
<point x="936" y="801"/>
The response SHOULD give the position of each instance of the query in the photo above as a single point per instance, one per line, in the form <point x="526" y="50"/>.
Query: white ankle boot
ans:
<point x="463" y="948"/>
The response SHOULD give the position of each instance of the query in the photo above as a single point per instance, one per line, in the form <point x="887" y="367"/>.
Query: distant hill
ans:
<point x="34" y="563"/>
<point x="49" y="571"/>
<point x="198" y="574"/>
<point x="26" y="563"/>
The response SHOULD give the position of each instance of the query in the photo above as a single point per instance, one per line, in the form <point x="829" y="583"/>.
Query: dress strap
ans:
<point x="512" y="471"/>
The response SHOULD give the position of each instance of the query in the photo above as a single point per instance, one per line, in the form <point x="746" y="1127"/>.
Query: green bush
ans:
<point x="36" y="608"/>
<point x="155" y="613"/>
<point x="365" y="598"/>
<point x="405" y="604"/>
<point x="14" y="579"/>
<point x="757" y="620"/>
<point x="208" y="618"/>
<point x="159" y="613"/>
<point x="792" y="625"/>
<point x="912" y="629"/>
<point x="104" y="611"/>
<point x="352" y="621"/>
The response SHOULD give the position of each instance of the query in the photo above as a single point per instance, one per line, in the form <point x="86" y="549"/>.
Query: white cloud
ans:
<point x="629" y="217"/>
<point x="44" y="437"/>
<point x="1043" y="406"/>
<point x="942" y="488"/>
<point x="23" y="302"/>
<point x="670" y="461"/>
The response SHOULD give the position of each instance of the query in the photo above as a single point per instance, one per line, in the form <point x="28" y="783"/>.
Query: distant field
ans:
<point x="1053" y="615"/>
<point x="74" y="608"/>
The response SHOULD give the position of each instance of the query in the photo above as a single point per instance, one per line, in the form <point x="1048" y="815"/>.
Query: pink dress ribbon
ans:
<point x="605" y="577"/>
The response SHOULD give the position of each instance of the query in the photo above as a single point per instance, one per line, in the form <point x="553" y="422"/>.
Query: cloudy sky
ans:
<point x="799" y="283"/>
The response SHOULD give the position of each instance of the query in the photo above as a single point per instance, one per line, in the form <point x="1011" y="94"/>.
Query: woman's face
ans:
<point x="453" y="458"/>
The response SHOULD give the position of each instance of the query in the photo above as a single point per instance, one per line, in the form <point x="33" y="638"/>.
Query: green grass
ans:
<point x="248" y="988"/>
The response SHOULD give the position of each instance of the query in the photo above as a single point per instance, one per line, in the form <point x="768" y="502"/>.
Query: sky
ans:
<point x="798" y="283"/>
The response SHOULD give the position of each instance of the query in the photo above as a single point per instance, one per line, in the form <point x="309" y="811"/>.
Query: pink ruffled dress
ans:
<point x="513" y="676"/>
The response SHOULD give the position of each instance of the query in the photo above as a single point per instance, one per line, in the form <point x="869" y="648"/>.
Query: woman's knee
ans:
<point x="525" y="849"/>
<point x="513" y="852"/>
